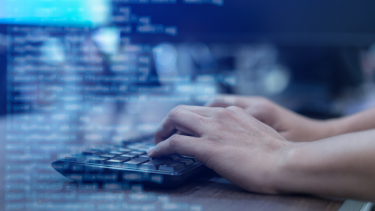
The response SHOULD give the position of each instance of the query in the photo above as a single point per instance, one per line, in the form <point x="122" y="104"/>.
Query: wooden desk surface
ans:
<point x="218" y="194"/>
<point x="202" y="194"/>
<point x="38" y="187"/>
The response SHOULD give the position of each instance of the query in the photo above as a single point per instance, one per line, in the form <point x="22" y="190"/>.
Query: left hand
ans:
<point x="232" y="143"/>
<point x="289" y="124"/>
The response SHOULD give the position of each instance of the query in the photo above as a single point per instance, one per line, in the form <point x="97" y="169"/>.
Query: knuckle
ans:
<point x="235" y="108"/>
<point x="201" y="120"/>
<point x="174" y="141"/>
<point x="211" y="140"/>
<point x="175" y="112"/>
<point x="262" y="109"/>
<point x="222" y="111"/>
<point x="208" y="155"/>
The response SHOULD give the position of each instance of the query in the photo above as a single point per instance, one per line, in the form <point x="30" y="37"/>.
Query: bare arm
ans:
<point x="342" y="166"/>
<point x="295" y="127"/>
<point x="255" y="157"/>
<point x="364" y="120"/>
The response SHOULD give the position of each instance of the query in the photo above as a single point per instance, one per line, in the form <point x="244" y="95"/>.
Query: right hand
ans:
<point x="235" y="145"/>
<point x="290" y="125"/>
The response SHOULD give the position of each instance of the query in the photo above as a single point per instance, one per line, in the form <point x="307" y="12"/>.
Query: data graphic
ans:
<point x="75" y="87"/>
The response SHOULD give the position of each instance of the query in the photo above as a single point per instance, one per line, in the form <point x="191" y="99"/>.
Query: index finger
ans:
<point x="181" y="120"/>
<point x="232" y="100"/>
<point x="180" y="144"/>
<point x="222" y="101"/>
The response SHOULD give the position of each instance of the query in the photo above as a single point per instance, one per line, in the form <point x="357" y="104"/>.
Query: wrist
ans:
<point x="303" y="169"/>
<point x="278" y="177"/>
<point x="288" y="171"/>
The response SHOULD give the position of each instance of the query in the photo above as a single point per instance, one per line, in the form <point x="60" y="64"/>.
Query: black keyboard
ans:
<point x="128" y="163"/>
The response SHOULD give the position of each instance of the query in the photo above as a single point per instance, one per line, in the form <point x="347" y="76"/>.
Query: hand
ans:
<point x="227" y="140"/>
<point x="290" y="125"/>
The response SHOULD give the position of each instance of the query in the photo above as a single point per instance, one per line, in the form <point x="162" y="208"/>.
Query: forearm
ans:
<point x="354" y="123"/>
<point x="342" y="166"/>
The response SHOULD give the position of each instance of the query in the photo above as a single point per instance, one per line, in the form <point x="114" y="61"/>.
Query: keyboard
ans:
<point x="128" y="163"/>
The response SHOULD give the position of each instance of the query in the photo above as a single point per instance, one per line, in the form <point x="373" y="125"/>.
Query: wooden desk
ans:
<point x="207" y="193"/>
<point x="198" y="195"/>
<point x="218" y="194"/>
<point x="202" y="194"/>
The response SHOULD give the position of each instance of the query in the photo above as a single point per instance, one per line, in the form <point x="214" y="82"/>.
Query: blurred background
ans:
<point x="99" y="71"/>
<point x="88" y="72"/>
<point x="315" y="57"/>
<point x="81" y="73"/>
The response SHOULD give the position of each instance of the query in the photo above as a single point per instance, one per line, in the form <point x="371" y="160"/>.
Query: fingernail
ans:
<point x="153" y="149"/>
<point x="149" y="151"/>
<point x="160" y="128"/>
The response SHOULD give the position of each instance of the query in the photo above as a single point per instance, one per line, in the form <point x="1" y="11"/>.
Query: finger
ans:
<point x="222" y="101"/>
<point x="232" y="100"/>
<point x="180" y="144"/>
<point x="236" y="110"/>
<point x="246" y="102"/>
<point x="258" y="107"/>
<point x="180" y="120"/>
<point x="241" y="113"/>
<point x="200" y="110"/>
<point x="265" y="112"/>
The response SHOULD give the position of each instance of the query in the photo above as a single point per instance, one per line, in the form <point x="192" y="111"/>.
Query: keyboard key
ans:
<point x="129" y="156"/>
<point x="117" y="162"/>
<point x="91" y="152"/>
<point x="97" y="160"/>
<point x="107" y="156"/>
<point x="116" y="152"/>
<point x="135" y="162"/>
<point x="171" y="167"/>
<point x="137" y="153"/>
<point x="97" y="153"/>
<point x="188" y="157"/>
<point x="141" y="149"/>
<point x="124" y="150"/>
<point x="145" y="156"/>
<point x="120" y="158"/>
<point x="153" y="164"/>
<point x="132" y="147"/>
<point x="165" y="160"/>
<point x="173" y="157"/>
<point x="186" y="162"/>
